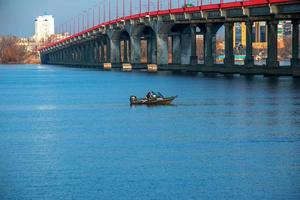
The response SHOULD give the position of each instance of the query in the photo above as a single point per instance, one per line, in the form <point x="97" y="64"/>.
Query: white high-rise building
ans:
<point x="44" y="27"/>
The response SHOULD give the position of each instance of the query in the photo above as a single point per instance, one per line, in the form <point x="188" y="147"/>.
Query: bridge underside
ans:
<point x="169" y="42"/>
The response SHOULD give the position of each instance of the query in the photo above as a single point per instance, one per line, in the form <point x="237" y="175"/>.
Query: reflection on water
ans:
<point x="69" y="133"/>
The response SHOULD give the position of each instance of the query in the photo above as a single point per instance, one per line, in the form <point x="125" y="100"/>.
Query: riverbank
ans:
<point x="31" y="59"/>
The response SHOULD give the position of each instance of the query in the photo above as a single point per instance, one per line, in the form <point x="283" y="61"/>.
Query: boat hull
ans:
<point x="156" y="101"/>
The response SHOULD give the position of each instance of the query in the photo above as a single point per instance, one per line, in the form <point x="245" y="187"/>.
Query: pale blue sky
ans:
<point x="17" y="16"/>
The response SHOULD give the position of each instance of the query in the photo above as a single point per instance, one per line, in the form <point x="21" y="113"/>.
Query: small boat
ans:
<point x="152" y="100"/>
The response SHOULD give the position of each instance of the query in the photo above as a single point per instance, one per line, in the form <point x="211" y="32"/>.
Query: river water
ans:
<point x="69" y="133"/>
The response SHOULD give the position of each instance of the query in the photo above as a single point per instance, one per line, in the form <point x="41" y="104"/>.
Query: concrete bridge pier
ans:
<point x="135" y="49"/>
<point x="96" y="52"/>
<point x="90" y="47"/>
<point x="70" y="56"/>
<point x="125" y="50"/>
<point x="272" y="60"/>
<point x="151" y="49"/>
<point x="106" y="47"/>
<point x="176" y="48"/>
<point x="87" y="53"/>
<point x="101" y="52"/>
<point x="115" y="51"/>
<point x="193" y="57"/>
<point x="77" y="50"/>
<point x="182" y="44"/>
<point x="295" y="44"/>
<point x="249" y="61"/>
<point x="229" y="57"/>
<point x="83" y="54"/>
<point x="65" y="56"/>
<point x="80" y="51"/>
<point x="208" y="44"/>
<point x="162" y="48"/>
<point x="91" y="52"/>
<point x="187" y="37"/>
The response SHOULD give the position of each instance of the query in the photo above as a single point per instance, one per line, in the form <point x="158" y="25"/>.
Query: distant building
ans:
<point x="44" y="27"/>
<point x="239" y="34"/>
<point x="284" y="29"/>
<point x="57" y="37"/>
<point x="29" y="44"/>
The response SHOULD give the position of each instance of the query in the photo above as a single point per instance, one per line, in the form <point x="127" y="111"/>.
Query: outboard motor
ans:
<point x="132" y="99"/>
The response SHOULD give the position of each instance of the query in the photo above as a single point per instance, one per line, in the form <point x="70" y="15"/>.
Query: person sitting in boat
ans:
<point x="151" y="95"/>
<point x="148" y="96"/>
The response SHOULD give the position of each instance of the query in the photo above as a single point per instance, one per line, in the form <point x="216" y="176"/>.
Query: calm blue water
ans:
<point x="69" y="133"/>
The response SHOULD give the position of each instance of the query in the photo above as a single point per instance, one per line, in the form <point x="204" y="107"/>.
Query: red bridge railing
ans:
<point x="108" y="12"/>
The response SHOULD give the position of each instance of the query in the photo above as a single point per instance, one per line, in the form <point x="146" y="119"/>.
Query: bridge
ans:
<point x="161" y="35"/>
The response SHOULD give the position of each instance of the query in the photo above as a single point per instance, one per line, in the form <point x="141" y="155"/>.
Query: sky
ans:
<point x="17" y="16"/>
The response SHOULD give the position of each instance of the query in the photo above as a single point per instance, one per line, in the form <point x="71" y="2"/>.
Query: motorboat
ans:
<point x="152" y="99"/>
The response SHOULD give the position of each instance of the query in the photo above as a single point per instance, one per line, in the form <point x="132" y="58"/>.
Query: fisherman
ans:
<point x="149" y="95"/>
<point x="153" y="95"/>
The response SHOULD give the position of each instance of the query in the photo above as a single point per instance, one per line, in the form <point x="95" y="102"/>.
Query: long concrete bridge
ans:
<point x="119" y="43"/>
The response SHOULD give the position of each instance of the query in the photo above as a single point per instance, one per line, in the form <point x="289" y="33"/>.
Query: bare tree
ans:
<point x="11" y="51"/>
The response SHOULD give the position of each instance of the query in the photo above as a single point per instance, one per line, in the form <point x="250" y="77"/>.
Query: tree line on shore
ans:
<point x="12" y="51"/>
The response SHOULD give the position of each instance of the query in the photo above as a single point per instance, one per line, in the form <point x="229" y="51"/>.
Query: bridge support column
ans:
<point x="162" y="49"/>
<point x="176" y="50"/>
<point x="71" y="59"/>
<point x="63" y="56"/>
<point x="78" y="55"/>
<point x="229" y="57"/>
<point x="125" y="59"/>
<point x="97" y="57"/>
<point x="75" y="55"/>
<point x="90" y="48"/>
<point x="81" y="50"/>
<point x="193" y="57"/>
<point x="295" y="44"/>
<point x="186" y="46"/>
<point x="208" y="58"/>
<point x="96" y="53"/>
<point x="135" y="50"/>
<point x="101" y="52"/>
<point x="151" y="53"/>
<point x="52" y="58"/>
<point x="93" y="52"/>
<point x="68" y="55"/>
<point x="71" y="55"/>
<point x="115" y="51"/>
<point x="249" y="62"/>
<point x="86" y="53"/>
<point x="272" y="44"/>
<point x="58" y="56"/>
<point x="82" y="55"/>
